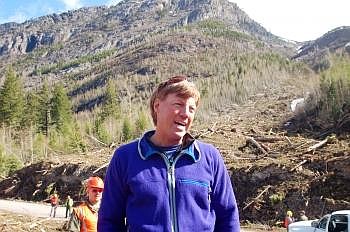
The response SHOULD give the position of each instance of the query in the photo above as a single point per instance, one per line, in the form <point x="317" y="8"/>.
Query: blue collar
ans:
<point x="190" y="147"/>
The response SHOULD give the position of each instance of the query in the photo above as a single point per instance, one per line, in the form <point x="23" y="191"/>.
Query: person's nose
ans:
<point x="185" y="111"/>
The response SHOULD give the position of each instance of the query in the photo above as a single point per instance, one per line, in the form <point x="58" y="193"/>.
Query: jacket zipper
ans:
<point x="171" y="185"/>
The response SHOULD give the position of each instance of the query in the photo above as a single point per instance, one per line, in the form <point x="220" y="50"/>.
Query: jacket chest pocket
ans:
<point x="149" y="190"/>
<point x="199" y="190"/>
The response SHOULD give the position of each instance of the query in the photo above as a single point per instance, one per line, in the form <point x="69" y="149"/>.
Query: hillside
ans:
<point x="317" y="53"/>
<point x="288" y="175"/>
<point x="221" y="50"/>
<point x="85" y="47"/>
<point x="247" y="77"/>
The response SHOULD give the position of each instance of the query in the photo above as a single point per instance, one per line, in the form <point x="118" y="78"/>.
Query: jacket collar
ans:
<point x="189" y="147"/>
<point x="92" y="207"/>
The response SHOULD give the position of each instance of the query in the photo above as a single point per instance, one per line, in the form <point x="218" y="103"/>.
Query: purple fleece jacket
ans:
<point x="191" y="192"/>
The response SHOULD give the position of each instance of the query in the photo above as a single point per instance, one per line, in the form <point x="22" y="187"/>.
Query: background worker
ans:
<point x="302" y="216"/>
<point x="69" y="206"/>
<point x="288" y="219"/>
<point x="167" y="180"/>
<point x="84" y="216"/>
<point x="54" y="204"/>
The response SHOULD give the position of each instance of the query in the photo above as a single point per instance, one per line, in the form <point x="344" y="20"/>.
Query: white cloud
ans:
<point x="25" y="12"/>
<point x="112" y="2"/>
<point x="18" y="17"/>
<point x="72" y="4"/>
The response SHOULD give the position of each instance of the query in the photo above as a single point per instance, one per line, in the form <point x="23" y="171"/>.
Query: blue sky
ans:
<point x="21" y="10"/>
<point x="298" y="20"/>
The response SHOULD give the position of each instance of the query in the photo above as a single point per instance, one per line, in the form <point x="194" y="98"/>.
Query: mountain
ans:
<point x="91" y="29"/>
<point x="317" y="52"/>
<point x="130" y="38"/>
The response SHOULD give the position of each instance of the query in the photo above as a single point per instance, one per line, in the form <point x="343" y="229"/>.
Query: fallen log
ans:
<point x="252" y="141"/>
<point x="298" y="165"/>
<point x="98" y="169"/>
<point x="38" y="223"/>
<point x="257" y="197"/>
<point x="288" y="140"/>
<point x="268" y="139"/>
<point x="95" y="139"/>
<point x="323" y="176"/>
<point x="318" y="145"/>
<point x="266" y="148"/>
<point x="6" y="191"/>
<point x="209" y="131"/>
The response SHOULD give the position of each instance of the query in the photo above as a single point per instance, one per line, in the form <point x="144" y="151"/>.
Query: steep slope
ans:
<point x="37" y="45"/>
<point x="317" y="52"/>
<point x="288" y="176"/>
<point x="136" y="39"/>
<point x="90" y="29"/>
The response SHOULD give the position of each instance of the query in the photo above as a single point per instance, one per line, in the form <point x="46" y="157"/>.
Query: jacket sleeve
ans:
<point x="223" y="198"/>
<point x="111" y="215"/>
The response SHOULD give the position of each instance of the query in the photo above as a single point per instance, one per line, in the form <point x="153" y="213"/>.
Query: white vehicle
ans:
<point x="302" y="226"/>
<point x="338" y="221"/>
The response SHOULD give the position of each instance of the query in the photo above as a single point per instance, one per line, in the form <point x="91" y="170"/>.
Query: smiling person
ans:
<point x="167" y="180"/>
<point x="84" y="217"/>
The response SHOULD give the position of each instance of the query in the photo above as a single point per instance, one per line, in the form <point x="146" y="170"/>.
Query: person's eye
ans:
<point x="192" y="109"/>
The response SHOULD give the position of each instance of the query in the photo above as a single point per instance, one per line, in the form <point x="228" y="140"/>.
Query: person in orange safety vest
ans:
<point x="84" y="217"/>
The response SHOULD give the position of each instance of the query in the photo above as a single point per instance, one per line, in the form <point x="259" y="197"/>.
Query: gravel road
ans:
<point x="41" y="210"/>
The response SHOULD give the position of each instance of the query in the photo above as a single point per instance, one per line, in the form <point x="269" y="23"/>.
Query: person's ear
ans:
<point x="156" y="105"/>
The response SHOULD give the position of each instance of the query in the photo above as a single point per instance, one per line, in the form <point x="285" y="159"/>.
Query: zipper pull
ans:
<point x="171" y="161"/>
<point x="209" y="194"/>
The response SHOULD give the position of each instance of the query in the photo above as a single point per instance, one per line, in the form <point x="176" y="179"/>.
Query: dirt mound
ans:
<point x="38" y="181"/>
<point x="275" y="168"/>
<point x="266" y="193"/>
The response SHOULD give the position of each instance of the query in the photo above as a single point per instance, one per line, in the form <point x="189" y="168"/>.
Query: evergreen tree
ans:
<point x="44" y="119"/>
<point x="11" y="100"/>
<point x="141" y="123"/>
<point x="61" y="109"/>
<point x="101" y="132"/>
<point x="31" y="110"/>
<point x="111" y="107"/>
<point x="127" y="130"/>
<point x="75" y="141"/>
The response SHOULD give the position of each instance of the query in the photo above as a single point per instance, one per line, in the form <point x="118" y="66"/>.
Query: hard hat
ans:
<point x="289" y="213"/>
<point x="95" y="182"/>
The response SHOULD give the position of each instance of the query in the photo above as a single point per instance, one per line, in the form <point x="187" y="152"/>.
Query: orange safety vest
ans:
<point x="87" y="217"/>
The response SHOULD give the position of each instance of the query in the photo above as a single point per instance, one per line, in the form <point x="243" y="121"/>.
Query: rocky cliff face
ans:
<point x="96" y="28"/>
<point x="47" y="30"/>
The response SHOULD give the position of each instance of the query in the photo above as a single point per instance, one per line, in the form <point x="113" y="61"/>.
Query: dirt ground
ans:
<point x="278" y="161"/>
<point x="10" y="222"/>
